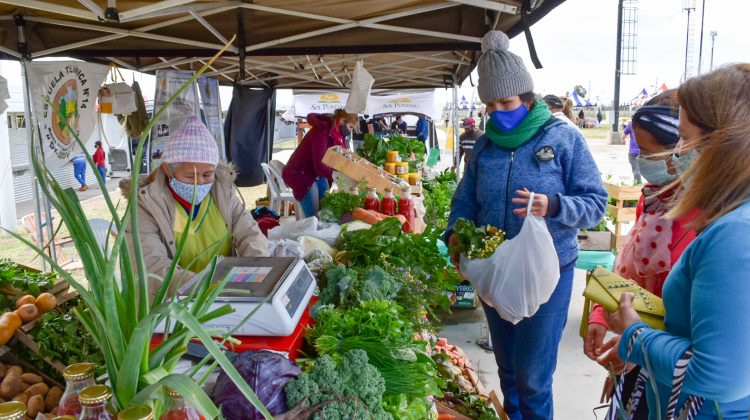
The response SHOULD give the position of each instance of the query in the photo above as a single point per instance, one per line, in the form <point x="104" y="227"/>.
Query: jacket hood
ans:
<point x="226" y="174"/>
<point x="322" y="121"/>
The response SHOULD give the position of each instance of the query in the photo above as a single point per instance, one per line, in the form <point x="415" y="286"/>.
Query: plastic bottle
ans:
<point x="77" y="377"/>
<point x="13" y="410"/>
<point x="177" y="409"/>
<point x="94" y="401"/>
<point x="372" y="202"/>
<point x="388" y="204"/>
<point x="406" y="209"/>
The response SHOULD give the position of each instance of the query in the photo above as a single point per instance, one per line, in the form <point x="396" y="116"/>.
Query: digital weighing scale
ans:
<point x="282" y="286"/>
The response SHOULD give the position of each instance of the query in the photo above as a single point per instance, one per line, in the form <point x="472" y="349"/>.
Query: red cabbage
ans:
<point x="267" y="374"/>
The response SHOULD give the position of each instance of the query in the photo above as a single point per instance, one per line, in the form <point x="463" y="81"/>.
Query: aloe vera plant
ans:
<point x="119" y="315"/>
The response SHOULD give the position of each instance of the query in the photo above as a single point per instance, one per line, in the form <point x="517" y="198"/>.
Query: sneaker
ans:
<point x="84" y="188"/>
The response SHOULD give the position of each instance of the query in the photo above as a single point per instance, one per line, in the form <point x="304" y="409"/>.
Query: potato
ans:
<point x="14" y="370"/>
<point x="28" y="312"/>
<point x="22" y="397"/>
<point x="46" y="302"/>
<point x="35" y="405"/>
<point x="53" y="398"/>
<point x="11" y="386"/>
<point x="38" y="389"/>
<point x="24" y="300"/>
<point x="3" y="369"/>
<point x="31" y="378"/>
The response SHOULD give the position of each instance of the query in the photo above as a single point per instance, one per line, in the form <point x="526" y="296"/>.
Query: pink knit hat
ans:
<point x="192" y="143"/>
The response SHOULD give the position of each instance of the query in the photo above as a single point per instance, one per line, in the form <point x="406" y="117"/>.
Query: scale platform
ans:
<point x="281" y="286"/>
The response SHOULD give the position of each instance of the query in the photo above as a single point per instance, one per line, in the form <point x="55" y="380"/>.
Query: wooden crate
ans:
<point x="618" y="211"/>
<point x="623" y="192"/>
<point x="359" y="169"/>
<point x="621" y="214"/>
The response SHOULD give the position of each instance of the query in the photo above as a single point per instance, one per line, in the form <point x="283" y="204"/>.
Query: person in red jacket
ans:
<point x="99" y="160"/>
<point x="305" y="173"/>
<point x="655" y="243"/>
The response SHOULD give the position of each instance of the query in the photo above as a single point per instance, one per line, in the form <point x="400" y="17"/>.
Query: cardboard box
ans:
<point x="358" y="169"/>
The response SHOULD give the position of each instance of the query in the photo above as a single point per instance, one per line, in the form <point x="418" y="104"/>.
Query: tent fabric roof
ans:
<point x="294" y="44"/>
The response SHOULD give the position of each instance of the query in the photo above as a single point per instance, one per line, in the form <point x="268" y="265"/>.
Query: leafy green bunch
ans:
<point x="16" y="279"/>
<point x="376" y="149"/>
<point x="335" y="205"/>
<point x="346" y="287"/>
<point x="476" y="242"/>
<point x="438" y="193"/>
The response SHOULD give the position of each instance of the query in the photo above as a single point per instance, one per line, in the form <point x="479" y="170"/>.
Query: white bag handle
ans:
<point x="530" y="205"/>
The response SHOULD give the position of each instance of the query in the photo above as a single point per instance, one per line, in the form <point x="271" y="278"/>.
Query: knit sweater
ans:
<point x="555" y="162"/>
<point x="706" y="298"/>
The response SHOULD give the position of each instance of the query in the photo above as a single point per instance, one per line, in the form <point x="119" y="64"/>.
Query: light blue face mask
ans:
<point x="682" y="163"/>
<point x="655" y="171"/>
<point x="185" y="190"/>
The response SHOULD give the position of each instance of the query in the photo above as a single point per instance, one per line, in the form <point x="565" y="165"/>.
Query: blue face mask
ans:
<point x="508" y="120"/>
<point x="185" y="190"/>
<point x="682" y="163"/>
<point x="655" y="171"/>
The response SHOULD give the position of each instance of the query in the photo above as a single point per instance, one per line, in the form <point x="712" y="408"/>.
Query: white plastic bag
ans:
<point x="522" y="273"/>
<point x="294" y="229"/>
<point x="362" y="82"/>
<point x="286" y="248"/>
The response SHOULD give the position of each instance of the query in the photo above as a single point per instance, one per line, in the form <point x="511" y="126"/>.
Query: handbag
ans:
<point x="605" y="288"/>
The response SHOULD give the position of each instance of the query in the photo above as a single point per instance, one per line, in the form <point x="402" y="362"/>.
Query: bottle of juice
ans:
<point x="388" y="204"/>
<point x="372" y="202"/>
<point x="77" y="377"/>
<point x="406" y="209"/>
<point x="94" y="401"/>
<point x="176" y="408"/>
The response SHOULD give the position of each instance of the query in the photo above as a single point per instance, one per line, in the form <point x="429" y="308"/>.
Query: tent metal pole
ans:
<point x="38" y="201"/>
<point x="618" y="55"/>
<point x="454" y="122"/>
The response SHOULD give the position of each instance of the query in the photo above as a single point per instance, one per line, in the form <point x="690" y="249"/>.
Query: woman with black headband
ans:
<point x="654" y="243"/>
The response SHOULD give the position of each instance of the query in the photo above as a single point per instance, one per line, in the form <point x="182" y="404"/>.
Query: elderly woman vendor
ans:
<point x="220" y="222"/>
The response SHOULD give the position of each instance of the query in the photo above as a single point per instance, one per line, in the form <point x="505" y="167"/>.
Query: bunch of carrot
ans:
<point x="372" y="217"/>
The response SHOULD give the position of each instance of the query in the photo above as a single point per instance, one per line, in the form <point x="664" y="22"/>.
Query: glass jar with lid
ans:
<point x="77" y="377"/>
<point x="177" y="409"/>
<point x="94" y="401"/>
<point x="136" y="412"/>
<point x="13" y="410"/>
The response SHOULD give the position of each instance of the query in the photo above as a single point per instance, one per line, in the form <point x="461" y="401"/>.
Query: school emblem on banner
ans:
<point x="72" y="88"/>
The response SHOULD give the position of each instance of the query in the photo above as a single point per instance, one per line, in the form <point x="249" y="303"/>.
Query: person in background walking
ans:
<point x="480" y="115"/>
<point x="633" y="152"/>
<point x="79" y="171"/>
<point x="599" y="117"/>
<point x="423" y="129"/>
<point x="100" y="160"/>
<point x="526" y="150"/>
<point x="555" y="105"/>
<point x="581" y="119"/>
<point x="467" y="139"/>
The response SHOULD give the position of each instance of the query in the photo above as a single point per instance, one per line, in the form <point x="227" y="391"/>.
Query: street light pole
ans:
<point x="700" y="47"/>
<point x="713" y="41"/>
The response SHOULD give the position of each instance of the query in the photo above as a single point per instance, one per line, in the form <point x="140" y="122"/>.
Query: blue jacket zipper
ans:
<point x="507" y="189"/>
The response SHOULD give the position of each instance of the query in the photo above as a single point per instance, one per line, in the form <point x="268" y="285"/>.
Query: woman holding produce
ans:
<point x="655" y="243"/>
<point x="305" y="173"/>
<point x="192" y="183"/>
<point x="707" y="292"/>
<point x="525" y="149"/>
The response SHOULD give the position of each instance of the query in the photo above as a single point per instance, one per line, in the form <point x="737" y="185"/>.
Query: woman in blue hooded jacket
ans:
<point x="527" y="150"/>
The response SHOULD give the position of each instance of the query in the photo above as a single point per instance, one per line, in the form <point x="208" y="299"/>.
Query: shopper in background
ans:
<point x="556" y="106"/>
<point x="423" y="129"/>
<point x="100" y="160"/>
<point x="191" y="184"/>
<point x="467" y="139"/>
<point x="707" y="293"/>
<point x="633" y="152"/>
<point x="305" y="173"/>
<point x="379" y="126"/>
<point x="79" y="171"/>
<point x="526" y="150"/>
<point x="399" y="124"/>
<point x="599" y="117"/>
<point x="581" y="119"/>
<point x="568" y="109"/>
<point x="655" y="243"/>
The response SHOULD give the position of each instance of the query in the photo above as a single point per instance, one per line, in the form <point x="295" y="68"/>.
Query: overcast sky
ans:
<point x="576" y="45"/>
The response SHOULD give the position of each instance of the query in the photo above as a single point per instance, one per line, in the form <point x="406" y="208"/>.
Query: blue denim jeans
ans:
<point x="79" y="171"/>
<point x="311" y="201"/>
<point x="102" y="172"/>
<point x="526" y="353"/>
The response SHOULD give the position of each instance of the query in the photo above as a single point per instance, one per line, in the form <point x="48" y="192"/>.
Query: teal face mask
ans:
<point x="682" y="163"/>
<point x="655" y="171"/>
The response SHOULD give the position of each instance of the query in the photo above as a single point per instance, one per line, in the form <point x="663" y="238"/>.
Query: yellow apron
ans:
<point x="208" y="236"/>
